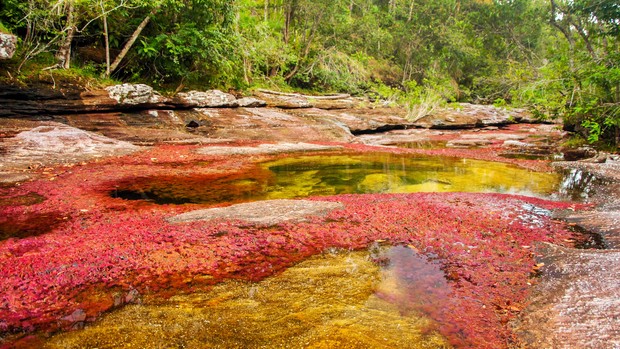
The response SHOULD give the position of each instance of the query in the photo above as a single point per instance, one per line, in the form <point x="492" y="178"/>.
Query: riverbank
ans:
<point x="57" y="175"/>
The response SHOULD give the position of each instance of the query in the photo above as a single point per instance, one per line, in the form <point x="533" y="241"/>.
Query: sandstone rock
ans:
<point x="263" y="124"/>
<point x="250" y="102"/>
<point x="269" y="212"/>
<point x="516" y="144"/>
<point x="206" y="99"/>
<point x="265" y="149"/>
<point x="577" y="301"/>
<point x="467" y="143"/>
<point x="333" y="103"/>
<point x="284" y="101"/>
<point x="58" y="143"/>
<point x="8" y="46"/>
<point x="133" y="94"/>
<point x="359" y="121"/>
<point x="469" y="116"/>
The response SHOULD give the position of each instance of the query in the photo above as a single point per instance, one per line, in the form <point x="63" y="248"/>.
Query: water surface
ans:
<point x="303" y="176"/>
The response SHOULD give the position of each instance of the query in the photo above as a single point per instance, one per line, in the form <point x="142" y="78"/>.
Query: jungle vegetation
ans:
<point x="560" y="58"/>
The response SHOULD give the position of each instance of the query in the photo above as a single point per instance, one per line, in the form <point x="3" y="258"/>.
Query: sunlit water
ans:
<point x="340" y="299"/>
<point x="304" y="176"/>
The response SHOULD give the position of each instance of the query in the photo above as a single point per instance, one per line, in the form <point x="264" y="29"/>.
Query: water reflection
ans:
<point x="304" y="176"/>
<point x="336" y="300"/>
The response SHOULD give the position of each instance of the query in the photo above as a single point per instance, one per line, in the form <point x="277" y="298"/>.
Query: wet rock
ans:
<point x="265" y="149"/>
<point x="577" y="302"/>
<point x="134" y="94"/>
<point x="250" y="102"/>
<point x="269" y="212"/>
<point x="206" y="99"/>
<point x="467" y="115"/>
<point x="8" y="46"/>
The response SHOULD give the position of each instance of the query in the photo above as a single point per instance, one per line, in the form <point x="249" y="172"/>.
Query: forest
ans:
<point x="558" y="58"/>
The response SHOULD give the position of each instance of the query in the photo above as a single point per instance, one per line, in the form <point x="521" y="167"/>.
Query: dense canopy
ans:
<point x="557" y="57"/>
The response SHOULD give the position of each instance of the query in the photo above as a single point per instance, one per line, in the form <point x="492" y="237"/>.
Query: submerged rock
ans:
<point x="269" y="212"/>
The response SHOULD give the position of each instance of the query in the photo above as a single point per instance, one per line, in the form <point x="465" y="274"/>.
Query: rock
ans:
<point x="359" y="121"/>
<point x="269" y="212"/>
<point x="467" y="143"/>
<point x="250" y="102"/>
<point x="284" y="101"/>
<point x="576" y="304"/>
<point x="516" y="144"/>
<point x="78" y="315"/>
<point x="206" y="99"/>
<point x="134" y="94"/>
<point x="58" y="143"/>
<point x="467" y="115"/>
<point x="8" y="46"/>
<point x="574" y="154"/>
<point x="265" y="149"/>
<point x="333" y="103"/>
<point x="264" y="124"/>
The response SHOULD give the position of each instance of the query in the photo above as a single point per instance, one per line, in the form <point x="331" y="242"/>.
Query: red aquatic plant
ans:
<point x="104" y="252"/>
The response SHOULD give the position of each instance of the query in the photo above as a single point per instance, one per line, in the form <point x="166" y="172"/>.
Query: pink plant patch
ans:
<point x="106" y="252"/>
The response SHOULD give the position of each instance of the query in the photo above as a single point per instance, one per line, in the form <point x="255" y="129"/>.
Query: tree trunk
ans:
<point x="131" y="40"/>
<point x="107" y="41"/>
<point x="63" y="55"/>
<point x="266" y="10"/>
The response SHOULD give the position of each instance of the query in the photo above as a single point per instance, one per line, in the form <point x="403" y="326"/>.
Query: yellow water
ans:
<point x="328" y="301"/>
<point x="392" y="173"/>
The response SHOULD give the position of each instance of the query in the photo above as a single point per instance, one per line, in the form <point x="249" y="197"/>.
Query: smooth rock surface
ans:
<point x="57" y="143"/>
<point x="265" y="149"/>
<point x="469" y="116"/>
<point x="269" y="212"/>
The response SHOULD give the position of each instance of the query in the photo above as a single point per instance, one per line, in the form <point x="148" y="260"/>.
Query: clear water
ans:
<point x="304" y="176"/>
<point x="368" y="299"/>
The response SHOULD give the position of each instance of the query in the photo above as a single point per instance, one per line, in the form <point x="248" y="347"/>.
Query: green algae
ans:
<point x="335" y="300"/>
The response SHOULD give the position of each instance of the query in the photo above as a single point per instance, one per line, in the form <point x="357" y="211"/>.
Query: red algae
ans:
<point x="110" y="247"/>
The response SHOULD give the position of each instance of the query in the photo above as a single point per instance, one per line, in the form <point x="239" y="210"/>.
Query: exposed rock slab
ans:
<point x="265" y="149"/>
<point x="57" y="143"/>
<point x="283" y="100"/>
<point x="577" y="302"/>
<point x="265" y="124"/>
<point x="359" y="121"/>
<point x="269" y="212"/>
<point x="471" y="115"/>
